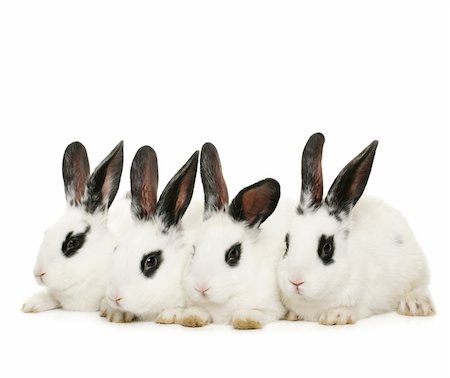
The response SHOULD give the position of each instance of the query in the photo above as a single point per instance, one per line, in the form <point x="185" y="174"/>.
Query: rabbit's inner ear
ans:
<point x="177" y="195"/>
<point x="144" y="183"/>
<point x="256" y="203"/>
<point x="104" y="182"/>
<point x="312" y="181"/>
<point x="349" y="185"/>
<point x="75" y="169"/>
<point x="214" y="186"/>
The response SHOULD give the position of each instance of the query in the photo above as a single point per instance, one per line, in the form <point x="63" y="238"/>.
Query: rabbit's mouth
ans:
<point x="40" y="278"/>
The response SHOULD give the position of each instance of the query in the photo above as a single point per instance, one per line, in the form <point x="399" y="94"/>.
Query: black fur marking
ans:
<point x="326" y="249"/>
<point x="349" y="185"/>
<point x="177" y="195"/>
<point x="104" y="182"/>
<point x="312" y="207"/>
<point x="255" y="203"/>
<point x="312" y="180"/>
<point x="338" y="214"/>
<point x="233" y="255"/>
<point x="73" y="243"/>
<point x="286" y="240"/>
<point x="214" y="186"/>
<point x="151" y="262"/>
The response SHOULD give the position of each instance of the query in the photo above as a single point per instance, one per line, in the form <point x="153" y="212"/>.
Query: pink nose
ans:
<point x="297" y="283"/>
<point x="41" y="276"/>
<point x="202" y="289"/>
<point x="116" y="299"/>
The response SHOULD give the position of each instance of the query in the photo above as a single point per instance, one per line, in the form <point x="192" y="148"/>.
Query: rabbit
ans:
<point x="145" y="279"/>
<point x="231" y="277"/>
<point x="348" y="258"/>
<point x="76" y="252"/>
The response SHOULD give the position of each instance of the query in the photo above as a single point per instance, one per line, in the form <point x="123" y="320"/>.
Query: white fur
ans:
<point x="160" y="297"/>
<point x="76" y="283"/>
<point x="247" y="291"/>
<point x="378" y="266"/>
<point x="148" y="297"/>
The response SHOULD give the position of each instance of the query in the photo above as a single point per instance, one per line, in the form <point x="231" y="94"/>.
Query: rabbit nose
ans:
<point x="115" y="300"/>
<point x="296" y="283"/>
<point x="40" y="276"/>
<point x="202" y="289"/>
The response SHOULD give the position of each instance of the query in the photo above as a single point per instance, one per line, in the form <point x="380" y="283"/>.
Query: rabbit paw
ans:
<point x="248" y="319"/>
<point x="170" y="316"/>
<point x="416" y="303"/>
<point x="337" y="316"/>
<point x="39" y="302"/>
<point x="113" y="315"/>
<point x="292" y="316"/>
<point x="194" y="317"/>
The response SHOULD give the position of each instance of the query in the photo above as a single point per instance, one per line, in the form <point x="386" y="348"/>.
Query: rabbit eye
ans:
<point x="326" y="249"/>
<point x="151" y="262"/>
<point x="74" y="242"/>
<point x="233" y="254"/>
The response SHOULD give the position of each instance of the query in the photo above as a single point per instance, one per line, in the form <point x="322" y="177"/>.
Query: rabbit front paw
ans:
<point x="113" y="315"/>
<point x="248" y="319"/>
<point x="194" y="317"/>
<point x="39" y="302"/>
<point x="170" y="316"/>
<point x="337" y="316"/>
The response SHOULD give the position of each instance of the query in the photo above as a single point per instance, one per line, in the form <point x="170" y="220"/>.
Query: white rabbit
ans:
<point x="145" y="280"/>
<point x="76" y="252"/>
<point x="231" y="277"/>
<point x="347" y="259"/>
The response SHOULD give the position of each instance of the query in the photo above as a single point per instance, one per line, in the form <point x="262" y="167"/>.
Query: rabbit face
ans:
<point x="147" y="269"/>
<point x="315" y="261"/>
<point x="220" y="263"/>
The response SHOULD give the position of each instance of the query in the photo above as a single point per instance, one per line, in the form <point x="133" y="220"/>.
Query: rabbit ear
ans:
<point x="104" y="182"/>
<point x="256" y="203"/>
<point x="312" y="181"/>
<point x="144" y="183"/>
<point x="177" y="195"/>
<point x="349" y="185"/>
<point x="214" y="186"/>
<point x="75" y="169"/>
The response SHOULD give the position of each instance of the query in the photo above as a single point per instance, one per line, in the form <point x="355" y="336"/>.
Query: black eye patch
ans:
<point x="233" y="254"/>
<point x="151" y="262"/>
<point x="73" y="242"/>
<point x="326" y="249"/>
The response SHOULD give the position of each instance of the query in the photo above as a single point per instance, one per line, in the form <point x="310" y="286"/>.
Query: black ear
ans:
<point x="144" y="183"/>
<point x="349" y="185"/>
<point x="255" y="203"/>
<point x="75" y="169"/>
<point x="214" y="186"/>
<point x="177" y="195"/>
<point x="312" y="181"/>
<point x="104" y="182"/>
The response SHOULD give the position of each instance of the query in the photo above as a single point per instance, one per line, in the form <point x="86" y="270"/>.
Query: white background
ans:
<point x="255" y="79"/>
